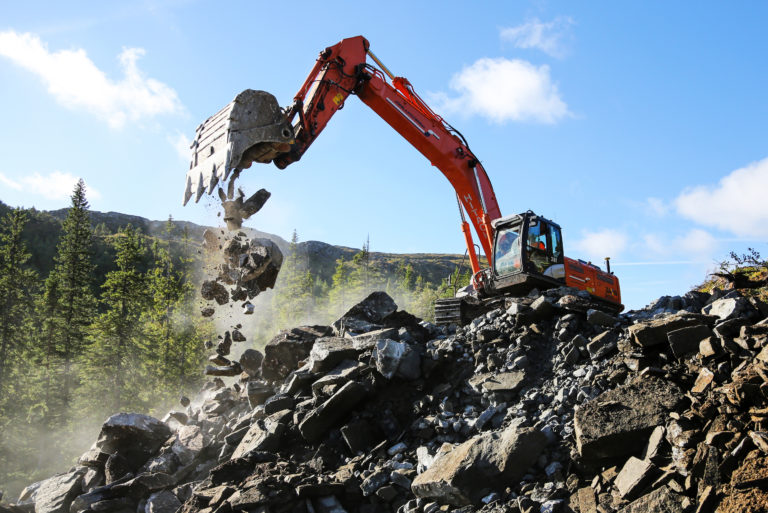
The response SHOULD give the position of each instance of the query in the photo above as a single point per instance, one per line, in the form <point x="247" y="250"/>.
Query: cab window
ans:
<point x="506" y="259"/>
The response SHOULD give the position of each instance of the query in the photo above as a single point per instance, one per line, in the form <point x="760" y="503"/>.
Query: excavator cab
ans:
<point x="528" y="253"/>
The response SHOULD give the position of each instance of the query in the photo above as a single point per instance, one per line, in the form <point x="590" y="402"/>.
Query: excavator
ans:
<point x="524" y="251"/>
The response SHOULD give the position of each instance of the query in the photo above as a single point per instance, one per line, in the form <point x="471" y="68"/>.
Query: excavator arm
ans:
<point x="253" y="129"/>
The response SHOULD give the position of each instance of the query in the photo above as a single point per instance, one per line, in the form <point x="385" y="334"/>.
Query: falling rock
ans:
<point x="322" y="418"/>
<point x="57" y="493"/>
<point x="229" y="370"/>
<point x="132" y="435"/>
<point x="250" y="361"/>
<point x="213" y="290"/>
<point x="618" y="422"/>
<point x="162" y="502"/>
<point x="491" y="459"/>
<point x="283" y="353"/>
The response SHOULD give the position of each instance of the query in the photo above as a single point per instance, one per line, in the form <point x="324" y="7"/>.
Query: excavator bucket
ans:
<point x="252" y="128"/>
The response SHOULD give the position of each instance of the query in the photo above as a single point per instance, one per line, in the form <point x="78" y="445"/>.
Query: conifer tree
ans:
<point x="115" y="352"/>
<point x="17" y="284"/>
<point x="75" y="303"/>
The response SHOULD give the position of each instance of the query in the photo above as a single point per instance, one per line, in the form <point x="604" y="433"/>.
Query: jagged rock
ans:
<point x="661" y="500"/>
<point x="322" y="418"/>
<point x="328" y="352"/>
<point x="503" y="384"/>
<point x="635" y="475"/>
<point x="283" y="353"/>
<point x="189" y="442"/>
<point x="162" y="502"/>
<point x="258" y="392"/>
<point x="213" y="290"/>
<point x="278" y="403"/>
<point x="230" y="370"/>
<point x="600" y="318"/>
<point x="654" y="332"/>
<point x="618" y="422"/>
<point x="132" y="435"/>
<point x="487" y="460"/>
<point x="728" y="308"/>
<point x="367" y="315"/>
<point x="116" y="467"/>
<point x="396" y="358"/>
<point x="686" y="340"/>
<point x="55" y="495"/>
<point x="602" y="344"/>
<point x="264" y="434"/>
<point x="345" y="371"/>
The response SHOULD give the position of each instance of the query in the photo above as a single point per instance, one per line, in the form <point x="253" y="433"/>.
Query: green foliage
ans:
<point x="71" y="360"/>
<point x="17" y="284"/>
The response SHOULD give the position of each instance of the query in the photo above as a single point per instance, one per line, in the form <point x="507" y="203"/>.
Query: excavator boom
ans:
<point x="253" y="128"/>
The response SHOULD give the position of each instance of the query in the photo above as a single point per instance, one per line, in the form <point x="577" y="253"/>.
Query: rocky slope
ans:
<point x="544" y="405"/>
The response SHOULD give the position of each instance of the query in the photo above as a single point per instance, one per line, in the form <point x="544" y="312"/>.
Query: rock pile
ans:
<point x="543" y="405"/>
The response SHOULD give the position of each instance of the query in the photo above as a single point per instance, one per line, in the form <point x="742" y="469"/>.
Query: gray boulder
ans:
<point x="55" y="495"/>
<point x="134" y="436"/>
<point x="618" y="422"/>
<point x="489" y="460"/>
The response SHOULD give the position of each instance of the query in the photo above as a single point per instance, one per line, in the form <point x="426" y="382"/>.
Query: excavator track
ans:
<point x="449" y="311"/>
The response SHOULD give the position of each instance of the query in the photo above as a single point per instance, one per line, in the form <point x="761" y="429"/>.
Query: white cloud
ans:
<point x="698" y="243"/>
<point x="181" y="144"/>
<point x="505" y="90"/>
<point x="547" y="37"/>
<point x="656" y="207"/>
<point x="595" y="246"/>
<point x="737" y="204"/>
<point x="55" y="186"/>
<point x="76" y="82"/>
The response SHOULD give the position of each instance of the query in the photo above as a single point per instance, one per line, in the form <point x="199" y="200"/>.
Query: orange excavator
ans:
<point x="525" y="251"/>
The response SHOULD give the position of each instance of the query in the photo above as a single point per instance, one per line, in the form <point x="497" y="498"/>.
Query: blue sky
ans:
<point x="639" y="127"/>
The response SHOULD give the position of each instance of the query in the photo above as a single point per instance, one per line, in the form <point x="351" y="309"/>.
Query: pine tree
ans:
<point x="115" y="352"/>
<point x="339" y="283"/>
<point x="75" y="305"/>
<point x="17" y="284"/>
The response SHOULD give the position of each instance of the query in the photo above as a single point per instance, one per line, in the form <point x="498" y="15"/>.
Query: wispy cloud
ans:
<point x="549" y="37"/>
<point x="596" y="245"/>
<point x="656" y="207"/>
<point x="181" y="144"/>
<point x="77" y="83"/>
<point x="55" y="185"/>
<point x="505" y="90"/>
<point x="737" y="204"/>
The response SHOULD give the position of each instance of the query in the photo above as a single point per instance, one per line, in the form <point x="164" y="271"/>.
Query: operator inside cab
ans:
<point x="507" y="257"/>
